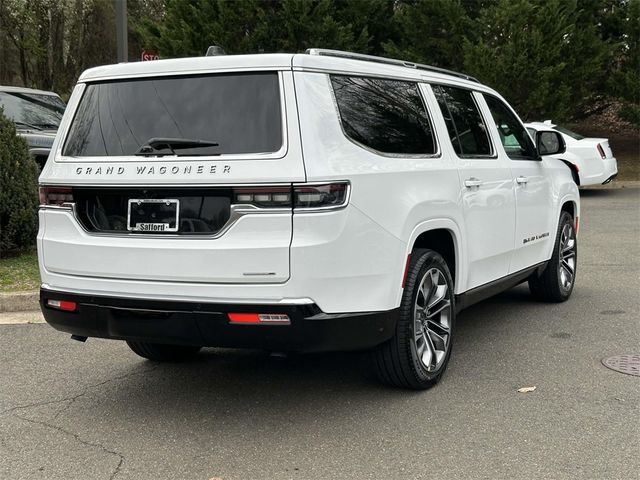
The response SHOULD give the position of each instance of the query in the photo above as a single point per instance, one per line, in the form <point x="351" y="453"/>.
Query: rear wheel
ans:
<point x="159" y="352"/>
<point x="555" y="284"/>
<point x="417" y="356"/>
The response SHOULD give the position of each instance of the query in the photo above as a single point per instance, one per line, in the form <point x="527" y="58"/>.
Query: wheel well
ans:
<point x="570" y="208"/>
<point x="441" y="241"/>
<point x="574" y="171"/>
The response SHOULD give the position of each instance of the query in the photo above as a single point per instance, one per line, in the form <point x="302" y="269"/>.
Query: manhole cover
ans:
<point x="629" y="364"/>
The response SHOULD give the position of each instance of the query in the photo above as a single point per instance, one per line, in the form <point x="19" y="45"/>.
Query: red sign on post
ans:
<point x="148" y="55"/>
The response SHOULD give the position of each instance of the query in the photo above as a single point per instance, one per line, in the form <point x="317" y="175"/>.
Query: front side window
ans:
<point x="385" y="115"/>
<point x="465" y="125"/>
<point x="226" y="113"/>
<point x="514" y="137"/>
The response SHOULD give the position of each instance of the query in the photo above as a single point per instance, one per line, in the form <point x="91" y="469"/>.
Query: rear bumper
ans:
<point x="207" y="324"/>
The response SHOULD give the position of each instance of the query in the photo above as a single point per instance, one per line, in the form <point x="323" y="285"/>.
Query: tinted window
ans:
<point x="239" y="112"/>
<point x="32" y="110"/>
<point x="386" y="115"/>
<point x="466" y="127"/>
<point x="514" y="137"/>
<point x="566" y="131"/>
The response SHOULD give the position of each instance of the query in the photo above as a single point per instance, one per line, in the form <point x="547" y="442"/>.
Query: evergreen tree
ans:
<point x="530" y="52"/>
<point x="430" y="32"/>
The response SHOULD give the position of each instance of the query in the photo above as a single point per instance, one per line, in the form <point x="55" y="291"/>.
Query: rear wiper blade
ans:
<point x="153" y="145"/>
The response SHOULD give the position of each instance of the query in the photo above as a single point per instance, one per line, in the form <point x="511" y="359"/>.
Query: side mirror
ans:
<point x="550" y="142"/>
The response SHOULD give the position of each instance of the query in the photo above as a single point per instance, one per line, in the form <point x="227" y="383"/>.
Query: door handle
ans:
<point x="472" y="182"/>
<point x="521" y="180"/>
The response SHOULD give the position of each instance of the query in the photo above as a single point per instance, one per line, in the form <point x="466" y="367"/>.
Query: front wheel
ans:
<point x="555" y="284"/>
<point x="159" y="352"/>
<point x="417" y="356"/>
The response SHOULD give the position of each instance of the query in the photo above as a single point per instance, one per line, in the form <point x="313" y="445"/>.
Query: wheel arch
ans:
<point x="569" y="203"/>
<point x="443" y="236"/>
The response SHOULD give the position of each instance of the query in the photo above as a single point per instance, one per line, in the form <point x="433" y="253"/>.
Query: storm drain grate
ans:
<point x="629" y="364"/>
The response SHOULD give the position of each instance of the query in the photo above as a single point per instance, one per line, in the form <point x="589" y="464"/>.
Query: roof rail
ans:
<point x="389" y="61"/>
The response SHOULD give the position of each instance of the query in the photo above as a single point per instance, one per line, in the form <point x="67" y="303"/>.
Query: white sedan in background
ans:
<point x="591" y="159"/>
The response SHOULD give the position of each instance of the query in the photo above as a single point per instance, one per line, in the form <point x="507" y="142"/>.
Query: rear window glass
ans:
<point x="29" y="110"/>
<point x="239" y="112"/>
<point x="385" y="115"/>
<point x="566" y="131"/>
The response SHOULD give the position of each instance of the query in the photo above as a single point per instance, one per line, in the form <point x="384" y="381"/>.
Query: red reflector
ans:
<point x="244" y="317"/>
<point x="601" y="150"/>
<point x="577" y="225"/>
<point x="65" y="305"/>
<point x="406" y="270"/>
<point x="260" y="318"/>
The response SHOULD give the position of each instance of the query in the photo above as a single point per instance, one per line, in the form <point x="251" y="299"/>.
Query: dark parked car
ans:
<point x="37" y="116"/>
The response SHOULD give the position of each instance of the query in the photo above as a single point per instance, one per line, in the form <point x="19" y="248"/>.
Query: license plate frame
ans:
<point x="167" y="223"/>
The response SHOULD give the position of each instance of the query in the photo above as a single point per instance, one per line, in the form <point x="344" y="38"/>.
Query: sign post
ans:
<point x="121" y="30"/>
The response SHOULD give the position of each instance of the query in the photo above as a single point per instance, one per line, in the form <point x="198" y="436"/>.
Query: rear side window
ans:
<point x="514" y="137"/>
<point x="465" y="125"/>
<point x="388" y="116"/>
<point x="239" y="112"/>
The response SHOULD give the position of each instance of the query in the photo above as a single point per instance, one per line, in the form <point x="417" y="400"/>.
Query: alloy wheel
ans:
<point x="432" y="320"/>
<point x="567" y="257"/>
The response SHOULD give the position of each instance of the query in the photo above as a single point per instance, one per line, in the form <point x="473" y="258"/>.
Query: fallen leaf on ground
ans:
<point x="526" y="389"/>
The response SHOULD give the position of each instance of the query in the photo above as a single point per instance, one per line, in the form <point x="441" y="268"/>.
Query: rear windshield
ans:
<point x="228" y="114"/>
<point x="566" y="131"/>
<point x="31" y="110"/>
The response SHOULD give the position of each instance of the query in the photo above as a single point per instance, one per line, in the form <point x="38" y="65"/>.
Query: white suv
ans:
<point x="295" y="202"/>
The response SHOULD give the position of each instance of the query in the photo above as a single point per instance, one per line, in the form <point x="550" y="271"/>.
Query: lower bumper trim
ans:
<point x="207" y="324"/>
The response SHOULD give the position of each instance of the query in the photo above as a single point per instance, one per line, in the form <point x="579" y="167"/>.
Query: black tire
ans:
<point x="398" y="361"/>
<point x="551" y="285"/>
<point x="159" y="352"/>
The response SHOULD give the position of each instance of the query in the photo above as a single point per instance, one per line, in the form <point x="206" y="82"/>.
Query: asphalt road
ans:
<point x="96" y="411"/>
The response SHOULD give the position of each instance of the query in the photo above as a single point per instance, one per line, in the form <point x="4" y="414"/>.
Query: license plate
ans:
<point x="151" y="215"/>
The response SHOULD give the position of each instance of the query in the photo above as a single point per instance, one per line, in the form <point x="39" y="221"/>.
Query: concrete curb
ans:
<point x="19" y="301"/>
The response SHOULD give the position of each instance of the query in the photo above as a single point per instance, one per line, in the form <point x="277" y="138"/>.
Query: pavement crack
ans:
<point x="80" y="440"/>
<point x="71" y="399"/>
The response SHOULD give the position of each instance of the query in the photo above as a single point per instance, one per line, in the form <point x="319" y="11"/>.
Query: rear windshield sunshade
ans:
<point x="240" y="112"/>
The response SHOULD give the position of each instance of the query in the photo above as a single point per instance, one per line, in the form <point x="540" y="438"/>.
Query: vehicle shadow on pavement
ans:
<point x="599" y="192"/>
<point x="233" y="382"/>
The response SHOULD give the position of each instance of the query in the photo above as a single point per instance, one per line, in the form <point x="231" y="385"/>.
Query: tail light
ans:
<point x="64" y="305"/>
<point x="305" y="197"/>
<point x="264" y="197"/>
<point x="601" y="151"/>
<point x="322" y="196"/>
<point x="55" y="195"/>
